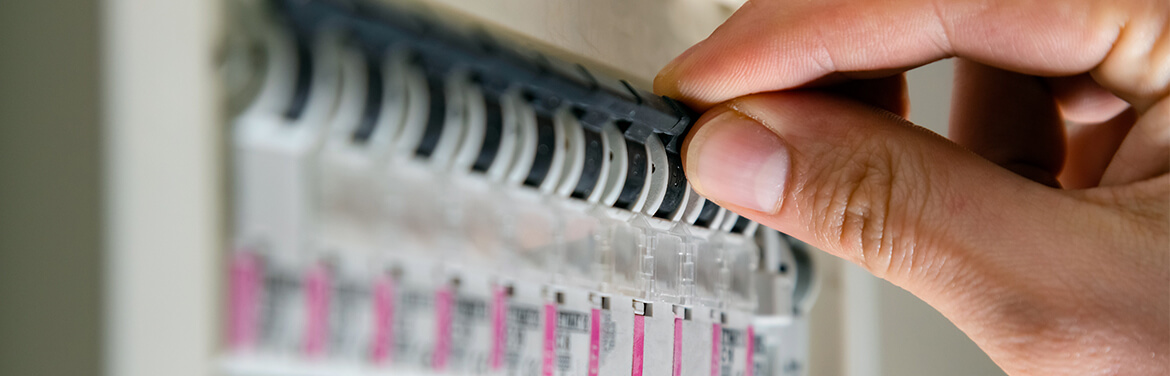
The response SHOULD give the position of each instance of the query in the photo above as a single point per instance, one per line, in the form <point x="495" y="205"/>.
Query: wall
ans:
<point x="50" y="197"/>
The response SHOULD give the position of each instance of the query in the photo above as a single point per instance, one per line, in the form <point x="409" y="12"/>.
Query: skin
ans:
<point x="1041" y="228"/>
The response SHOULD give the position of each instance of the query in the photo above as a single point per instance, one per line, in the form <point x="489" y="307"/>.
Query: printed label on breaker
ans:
<point x="414" y="327"/>
<point x="736" y="357"/>
<point x="349" y="318"/>
<point x="760" y="364"/>
<point x="471" y="335"/>
<point x="617" y="340"/>
<point x="573" y="342"/>
<point x="282" y="310"/>
<point x="525" y="340"/>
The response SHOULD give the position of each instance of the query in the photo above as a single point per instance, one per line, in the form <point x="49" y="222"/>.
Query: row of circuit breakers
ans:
<point x="414" y="197"/>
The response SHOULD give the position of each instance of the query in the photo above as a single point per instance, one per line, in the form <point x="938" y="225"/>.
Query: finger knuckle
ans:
<point x="1138" y="65"/>
<point x="860" y="193"/>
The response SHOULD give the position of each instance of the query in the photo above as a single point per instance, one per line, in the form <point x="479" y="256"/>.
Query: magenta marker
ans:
<point x="678" y="346"/>
<point x="716" y="341"/>
<point x="751" y="350"/>
<point x="639" y="344"/>
<point x="443" y="302"/>
<point x="246" y="275"/>
<point x="381" y="351"/>
<point x="549" y="355"/>
<point x="594" y="341"/>
<point x="499" y="327"/>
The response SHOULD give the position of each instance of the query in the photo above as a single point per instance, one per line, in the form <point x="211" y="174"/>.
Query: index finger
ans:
<point x="771" y="45"/>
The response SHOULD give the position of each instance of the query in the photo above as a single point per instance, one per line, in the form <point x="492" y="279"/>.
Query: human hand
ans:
<point x="1046" y="280"/>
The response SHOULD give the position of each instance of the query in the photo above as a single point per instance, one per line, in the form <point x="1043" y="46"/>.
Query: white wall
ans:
<point x="163" y="187"/>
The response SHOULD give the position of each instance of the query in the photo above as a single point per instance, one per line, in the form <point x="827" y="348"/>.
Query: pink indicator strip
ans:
<point x="499" y="327"/>
<point x="443" y="329"/>
<point x="751" y="351"/>
<point x="639" y="344"/>
<point x="716" y="341"/>
<point x="381" y="350"/>
<point x="318" y="293"/>
<point x="677" y="346"/>
<point x="244" y="315"/>
<point x="548" y="365"/>
<point x="594" y="341"/>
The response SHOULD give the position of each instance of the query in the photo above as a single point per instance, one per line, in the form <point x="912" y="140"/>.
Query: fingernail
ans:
<point x="736" y="160"/>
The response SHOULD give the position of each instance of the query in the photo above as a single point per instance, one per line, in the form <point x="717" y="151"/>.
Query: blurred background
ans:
<point x="113" y="198"/>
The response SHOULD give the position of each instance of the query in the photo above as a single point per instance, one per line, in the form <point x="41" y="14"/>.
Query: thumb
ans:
<point x="865" y="185"/>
